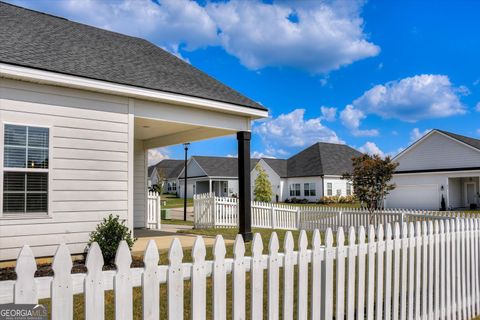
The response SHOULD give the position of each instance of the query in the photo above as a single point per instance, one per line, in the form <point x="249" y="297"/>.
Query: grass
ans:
<point x="174" y="202"/>
<point x="178" y="222"/>
<point x="78" y="305"/>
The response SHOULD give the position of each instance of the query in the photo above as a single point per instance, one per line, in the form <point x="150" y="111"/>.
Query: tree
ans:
<point x="161" y="180"/>
<point x="370" y="178"/>
<point x="263" y="186"/>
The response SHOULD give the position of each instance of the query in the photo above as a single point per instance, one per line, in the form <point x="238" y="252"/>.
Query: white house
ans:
<point x="79" y="109"/>
<point x="167" y="170"/>
<point x="310" y="174"/>
<point x="440" y="164"/>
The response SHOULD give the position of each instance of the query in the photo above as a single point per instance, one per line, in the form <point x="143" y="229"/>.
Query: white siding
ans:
<point x="302" y="181"/>
<point x="272" y="176"/>
<point x="337" y="184"/>
<point x="88" y="163"/>
<point x="438" y="152"/>
<point x="139" y="185"/>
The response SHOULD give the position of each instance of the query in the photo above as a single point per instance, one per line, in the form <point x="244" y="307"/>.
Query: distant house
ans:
<point x="311" y="174"/>
<point x="79" y="109"/>
<point x="439" y="165"/>
<point x="168" y="171"/>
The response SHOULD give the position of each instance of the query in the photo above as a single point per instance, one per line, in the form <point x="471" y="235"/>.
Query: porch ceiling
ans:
<point x="159" y="133"/>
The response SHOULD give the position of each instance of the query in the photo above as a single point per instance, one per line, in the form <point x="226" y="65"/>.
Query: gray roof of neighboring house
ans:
<point x="220" y="166"/>
<point x="33" y="39"/>
<point x="317" y="160"/>
<point x="467" y="140"/>
<point x="278" y="165"/>
<point x="171" y="168"/>
<point x="322" y="159"/>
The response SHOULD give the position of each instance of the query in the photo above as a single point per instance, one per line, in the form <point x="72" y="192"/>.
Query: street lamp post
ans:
<point x="185" y="145"/>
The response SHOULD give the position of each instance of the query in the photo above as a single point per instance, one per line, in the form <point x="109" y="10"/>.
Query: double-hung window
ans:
<point x="25" y="169"/>
<point x="309" y="189"/>
<point x="349" y="189"/>
<point x="295" y="190"/>
<point x="329" y="189"/>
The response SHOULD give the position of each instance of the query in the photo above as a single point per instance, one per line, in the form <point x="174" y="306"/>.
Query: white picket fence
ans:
<point x="427" y="271"/>
<point x="219" y="212"/>
<point x="153" y="210"/>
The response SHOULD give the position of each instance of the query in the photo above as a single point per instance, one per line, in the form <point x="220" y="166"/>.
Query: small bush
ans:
<point x="108" y="235"/>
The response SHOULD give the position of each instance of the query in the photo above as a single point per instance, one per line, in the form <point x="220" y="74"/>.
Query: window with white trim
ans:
<point x="349" y="189"/>
<point x="174" y="186"/>
<point x="329" y="189"/>
<point x="25" y="169"/>
<point x="309" y="189"/>
<point x="295" y="190"/>
<point x="339" y="192"/>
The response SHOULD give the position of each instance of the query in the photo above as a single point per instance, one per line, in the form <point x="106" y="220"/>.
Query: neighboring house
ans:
<point x="211" y="174"/>
<point x="440" y="164"/>
<point x="79" y="109"/>
<point x="311" y="174"/>
<point x="168" y="170"/>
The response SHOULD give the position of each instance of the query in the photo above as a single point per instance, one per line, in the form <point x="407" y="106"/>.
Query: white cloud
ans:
<point x="371" y="148"/>
<point x="258" y="155"/>
<point x="351" y="119"/>
<point x="416" y="134"/>
<point x="328" y="114"/>
<point x="414" y="98"/>
<point x="316" y="36"/>
<point x="156" y="155"/>
<point x="293" y="130"/>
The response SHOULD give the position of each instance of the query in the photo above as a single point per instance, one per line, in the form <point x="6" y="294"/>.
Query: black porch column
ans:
<point x="244" y="195"/>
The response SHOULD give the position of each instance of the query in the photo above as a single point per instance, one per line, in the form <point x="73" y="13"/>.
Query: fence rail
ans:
<point x="153" y="210"/>
<point x="220" y="212"/>
<point x="425" y="271"/>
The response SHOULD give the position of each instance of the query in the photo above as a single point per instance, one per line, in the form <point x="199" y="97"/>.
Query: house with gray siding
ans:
<point x="439" y="165"/>
<point x="79" y="109"/>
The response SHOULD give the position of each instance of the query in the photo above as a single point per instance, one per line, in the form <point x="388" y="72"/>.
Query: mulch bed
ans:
<point x="45" y="269"/>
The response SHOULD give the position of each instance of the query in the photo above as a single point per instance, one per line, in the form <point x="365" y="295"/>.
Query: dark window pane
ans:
<point x="13" y="202"/>
<point x="37" y="182"/>
<point x="37" y="137"/>
<point x="14" y="157"/>
<point x="37" y="202"/>
<point x="13" y="181"/>
<point x="15" y="135"/>
<point x="38" y="158"/>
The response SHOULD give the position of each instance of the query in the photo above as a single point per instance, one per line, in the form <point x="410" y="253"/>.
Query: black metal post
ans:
<point x="185" y="188"/>
<point x="244" y="195"/>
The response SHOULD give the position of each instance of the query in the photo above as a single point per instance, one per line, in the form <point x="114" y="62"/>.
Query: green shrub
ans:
<point x="108" y="235"/>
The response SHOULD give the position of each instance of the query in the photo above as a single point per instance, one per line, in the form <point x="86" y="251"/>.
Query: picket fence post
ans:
<point x="62" y="284"/>
<point x="25" y="287"/>
<point x="198" y="290"/>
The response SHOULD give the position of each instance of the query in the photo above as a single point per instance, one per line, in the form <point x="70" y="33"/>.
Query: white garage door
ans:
<point x="421" y="196"/>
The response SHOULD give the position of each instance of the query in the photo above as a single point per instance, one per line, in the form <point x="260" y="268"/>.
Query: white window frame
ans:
<point x="174" y="186"/>
<point x="22" y="216"/>
<point x="311" y="187"/>
<point x="294" y="189"/>
<point x="329" y="189"/>
<point x="349" y="189"/>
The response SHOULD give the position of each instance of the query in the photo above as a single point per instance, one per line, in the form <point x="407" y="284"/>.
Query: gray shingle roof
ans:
<point x="322" y="159"/>
<point x="41" y="41"/>
<point x="220" y="166"/>
<point x="278" y="165"/>
<point x="170" y="168"/>
<point x="467" y="140"/>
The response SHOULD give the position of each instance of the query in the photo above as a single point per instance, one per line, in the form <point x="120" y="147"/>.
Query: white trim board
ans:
<point x="54" y="78"/>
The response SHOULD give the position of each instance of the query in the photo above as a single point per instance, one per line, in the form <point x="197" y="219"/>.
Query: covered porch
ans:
<point x="168" y="125"/>
<point x="463" y="192"/>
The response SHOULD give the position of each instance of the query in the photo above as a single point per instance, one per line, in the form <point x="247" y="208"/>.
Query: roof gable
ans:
<point x="41" y="41"/>
<point x="440" y="150"/>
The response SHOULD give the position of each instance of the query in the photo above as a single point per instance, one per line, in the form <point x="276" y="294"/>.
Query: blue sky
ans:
<point x="375" y="75"/>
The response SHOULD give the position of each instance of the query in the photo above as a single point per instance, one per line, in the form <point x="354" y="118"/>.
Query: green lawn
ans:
<point x="174" y="202"/>
<point x="178" y="222"/>
<point x="78" y="305"/>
